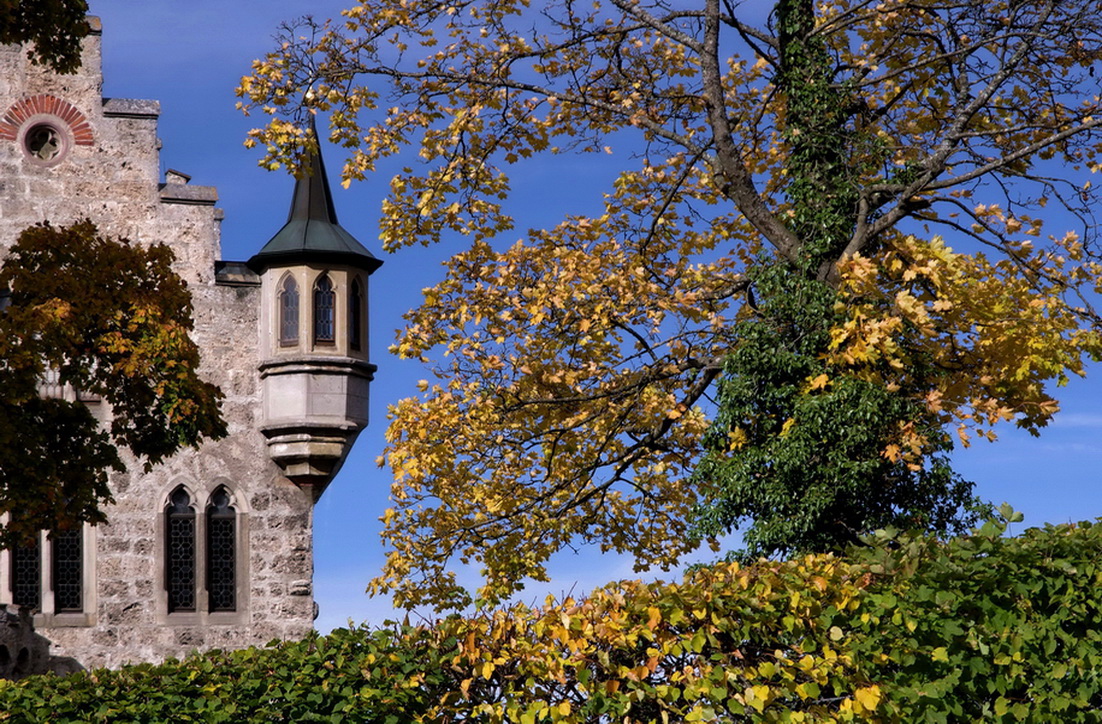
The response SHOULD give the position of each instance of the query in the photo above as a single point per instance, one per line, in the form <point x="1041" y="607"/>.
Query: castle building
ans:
<point x="213" y="548"/>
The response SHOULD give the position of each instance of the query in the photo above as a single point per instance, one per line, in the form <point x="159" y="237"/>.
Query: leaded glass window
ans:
<point x="288" y="312"/>
<point x="221" y="552"/>
<point x="180" y="552"/>
<point x="323" y="310"/>
<point x="68" y="571"/>
<point x="355" y="314"/>
<point x="26" y="574"/>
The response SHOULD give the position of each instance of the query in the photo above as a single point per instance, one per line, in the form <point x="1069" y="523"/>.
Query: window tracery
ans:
<point x="324" y="298"/>
<point x="288" y="312"/>
<point x="26" y="574"/>
<point x="68" y="571"/>
<point x="180" y="552"/>
<point x="221" y="552"/>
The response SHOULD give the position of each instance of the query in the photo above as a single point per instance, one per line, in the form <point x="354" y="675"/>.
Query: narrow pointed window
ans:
<point x="68" y="570"/>
<point x="355" y="315"/>
<point x="180" y="552"/>
<point x="323" y="310"/>
<point x="221" y="552"/>
<point x="288" y="312"/>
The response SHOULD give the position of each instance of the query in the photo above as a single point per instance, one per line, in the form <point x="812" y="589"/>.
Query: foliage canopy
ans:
<point x="106" y="318"/>
<point x="769" y="279"/>
<point x="54" y="27"/>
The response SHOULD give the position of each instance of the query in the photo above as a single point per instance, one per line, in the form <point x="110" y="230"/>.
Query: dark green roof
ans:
<point x="312" y="232"/>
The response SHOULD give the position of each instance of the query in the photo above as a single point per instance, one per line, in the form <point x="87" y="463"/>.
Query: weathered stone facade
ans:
<point x="22" y="651"/>
<point x="67" y="153"/>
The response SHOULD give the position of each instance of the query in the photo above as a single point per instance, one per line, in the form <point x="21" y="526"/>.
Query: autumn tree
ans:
<point x="109" y="319"/>
<point x="53" y="27"/>
<point x="825" y="249"/>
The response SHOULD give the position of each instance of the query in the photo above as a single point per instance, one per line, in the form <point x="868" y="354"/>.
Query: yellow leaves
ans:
<point x="55" y="311"/>
<point x="551" y="357"/>
<point x="866" y="699"/>
<point x="736" y="439"/>
<point x="758" y="697"/>
<point x="674" y="646"/>
<point x="567" y="367"/>
<point x="1010" y="329"/>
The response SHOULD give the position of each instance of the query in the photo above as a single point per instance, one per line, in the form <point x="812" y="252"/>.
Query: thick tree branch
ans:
<point x="732" y="175"/>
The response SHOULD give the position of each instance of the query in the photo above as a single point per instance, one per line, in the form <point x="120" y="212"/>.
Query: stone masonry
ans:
<point x="67" y="153"/>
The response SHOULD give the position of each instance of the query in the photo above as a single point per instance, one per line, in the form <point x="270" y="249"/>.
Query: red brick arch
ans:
<point x="27" y="108"/>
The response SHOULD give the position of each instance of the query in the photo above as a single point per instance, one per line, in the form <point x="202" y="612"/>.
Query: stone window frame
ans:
<point x="46" y="111"/>
<point x="306" y="277"/>
<point x="324" y="305"/>
<point x="181" y="509"/>
<point x="357" y="313"/>
<point x="225" y="515"/>
<point x="59" y="133"/>
<point x="50" y="387"/>
<point x="288" y="285"/>
<point x="200" y="497"/>
<point x="48" y="615"/>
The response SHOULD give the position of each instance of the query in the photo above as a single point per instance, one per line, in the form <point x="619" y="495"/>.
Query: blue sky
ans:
<point x="190" y="57"/>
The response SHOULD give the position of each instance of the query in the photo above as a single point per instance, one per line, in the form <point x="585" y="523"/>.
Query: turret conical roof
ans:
<point x="312" y="232"/>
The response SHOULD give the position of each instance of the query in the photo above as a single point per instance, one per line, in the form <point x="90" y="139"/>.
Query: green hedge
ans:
<point x="981" y="628"/>
<point x="349" y="676"/>
<point x="984" y="627"/>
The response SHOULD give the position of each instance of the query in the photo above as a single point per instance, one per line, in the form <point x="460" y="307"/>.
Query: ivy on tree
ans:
<point x="111" y="319"/>
<point x="824" y="257"/>
<point x="805" y="464"/>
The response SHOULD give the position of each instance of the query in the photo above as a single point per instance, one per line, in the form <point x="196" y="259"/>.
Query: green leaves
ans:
<point x="55" y="27"/>
<point x="800" y="451"/>
<point x="984" y="627"/>
<point x="978" y="628"/>
<point x="771" y="169"/>
<point x="110" y="320"/>
<point x="349" y="676"/>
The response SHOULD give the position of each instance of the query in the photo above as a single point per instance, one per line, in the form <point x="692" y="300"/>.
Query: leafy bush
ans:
<point x="983" y="627"/>
<point x="352" y="675"/>
<point x="909" y="629"/>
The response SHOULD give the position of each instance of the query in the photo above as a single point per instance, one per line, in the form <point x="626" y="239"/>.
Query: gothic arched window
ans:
<point x="324" y="296"/>
<point x="288" y="312"/>
<point x="355" y="314"/>
<point x="180" y="552"/>
<point x="221" y="552"/>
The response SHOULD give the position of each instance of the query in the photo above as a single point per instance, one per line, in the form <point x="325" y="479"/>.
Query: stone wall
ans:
<point x="113" y="179"/>
<point x="22" y="651"/>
